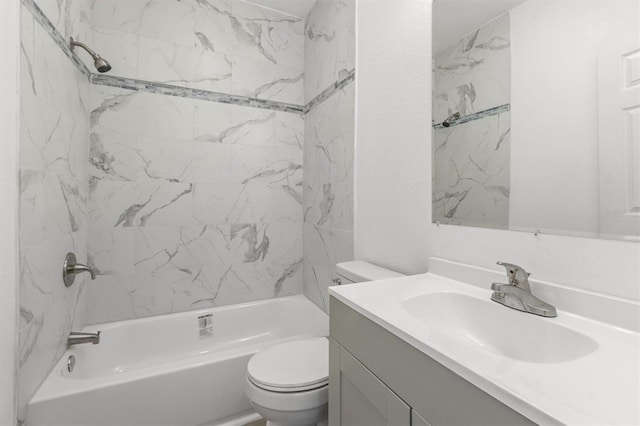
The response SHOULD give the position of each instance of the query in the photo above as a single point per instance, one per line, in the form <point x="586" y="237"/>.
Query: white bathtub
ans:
<point x="159" y="371"/>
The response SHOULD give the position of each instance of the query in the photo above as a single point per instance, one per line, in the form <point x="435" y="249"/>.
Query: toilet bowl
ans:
<point x="288" y="383"/>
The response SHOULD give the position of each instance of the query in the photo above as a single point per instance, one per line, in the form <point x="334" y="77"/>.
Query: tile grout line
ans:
<point x="179" y="91"/>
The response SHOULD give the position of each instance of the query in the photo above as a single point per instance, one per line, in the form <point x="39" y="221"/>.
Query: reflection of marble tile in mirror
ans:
<point x="471" y="173"/>
<point x="571" y="166"/>
<point x="473" y="74"/>
<point x="471" y="158"/>
<point x="454" y="19"/>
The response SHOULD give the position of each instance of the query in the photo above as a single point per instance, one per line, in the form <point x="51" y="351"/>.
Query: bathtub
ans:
<point x="182" y="369"/>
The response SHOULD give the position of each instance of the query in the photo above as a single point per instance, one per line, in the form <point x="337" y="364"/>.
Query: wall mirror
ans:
<point x="536" y="116"/>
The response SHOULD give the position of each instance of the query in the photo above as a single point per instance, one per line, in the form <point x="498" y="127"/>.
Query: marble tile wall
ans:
<point x="199" y="191"/>
<point x="192" y="204"/>
<point x="329" y="45"/>
<point x="71" y="18"/>
<point x="226" y="46"/>
<point x="329" y="144"/>
<point x="54" y="135"/>
<point x="471" y="157"/>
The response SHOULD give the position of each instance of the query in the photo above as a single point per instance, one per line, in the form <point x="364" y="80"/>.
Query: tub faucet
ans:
<point x="78" y="338"/>
<point x="517" y="294"/>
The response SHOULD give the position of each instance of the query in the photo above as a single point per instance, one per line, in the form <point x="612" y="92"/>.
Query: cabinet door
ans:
<point x="417" y="420"/>
<point x="358" y="398"/>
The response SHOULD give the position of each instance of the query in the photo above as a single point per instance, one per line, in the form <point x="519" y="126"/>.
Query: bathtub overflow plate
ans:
<point x="71" y="363"/>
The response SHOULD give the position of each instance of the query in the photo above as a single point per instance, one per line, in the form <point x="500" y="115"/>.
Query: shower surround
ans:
<point x="193" y="203"/>
<point x="193" y="195"/>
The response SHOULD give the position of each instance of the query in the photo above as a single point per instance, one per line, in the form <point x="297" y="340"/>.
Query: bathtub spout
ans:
<point x="78" y="338"/>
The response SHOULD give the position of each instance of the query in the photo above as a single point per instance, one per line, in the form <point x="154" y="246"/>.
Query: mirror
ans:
<point x="536" y="116"/>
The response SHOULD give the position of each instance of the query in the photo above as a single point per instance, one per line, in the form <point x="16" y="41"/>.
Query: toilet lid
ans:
<point x="292" y="366"/>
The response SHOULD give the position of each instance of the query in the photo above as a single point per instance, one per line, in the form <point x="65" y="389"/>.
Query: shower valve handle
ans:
<point x="71" y="268"/>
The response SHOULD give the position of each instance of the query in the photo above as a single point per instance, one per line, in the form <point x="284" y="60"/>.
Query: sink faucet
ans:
<point x="78" y="338"/>
<point x="517" y="294"/>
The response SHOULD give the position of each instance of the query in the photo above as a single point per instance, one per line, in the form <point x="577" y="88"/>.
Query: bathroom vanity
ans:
<point x="432" y="349"/>
<point x="382" y="380"/>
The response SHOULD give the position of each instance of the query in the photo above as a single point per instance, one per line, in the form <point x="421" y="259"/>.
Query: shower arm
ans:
<point x="455" y="116"/>
<point x="91" y="52"/>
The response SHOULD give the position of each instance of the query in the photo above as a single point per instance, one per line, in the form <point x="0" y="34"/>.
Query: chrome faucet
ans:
<point x="78" y="338"/>
<point x="517" y="294"/>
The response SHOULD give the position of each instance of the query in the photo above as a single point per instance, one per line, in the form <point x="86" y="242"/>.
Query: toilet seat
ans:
<point x="290" y="389"/>
<point x="295" y="366"/>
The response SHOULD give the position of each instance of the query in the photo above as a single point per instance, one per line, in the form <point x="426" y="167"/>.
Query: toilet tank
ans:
<point x="357" y="271"/>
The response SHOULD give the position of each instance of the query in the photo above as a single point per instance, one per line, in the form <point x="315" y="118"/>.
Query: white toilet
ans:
<point x="288" y="383"/>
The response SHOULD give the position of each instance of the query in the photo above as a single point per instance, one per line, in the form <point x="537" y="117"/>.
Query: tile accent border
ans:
<point x="475" y="116"/>
<point x="330" y="91"/>
<point x="179" y="91"/>
<point x="186" y="92"/>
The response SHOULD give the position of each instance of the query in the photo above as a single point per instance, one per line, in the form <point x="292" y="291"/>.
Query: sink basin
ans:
<point x="457" y="318"/>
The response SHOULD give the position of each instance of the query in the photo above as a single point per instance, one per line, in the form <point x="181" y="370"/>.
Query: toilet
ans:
<point x="288" y="383"/>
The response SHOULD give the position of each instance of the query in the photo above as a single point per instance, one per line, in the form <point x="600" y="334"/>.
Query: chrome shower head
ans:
<point x="454" y="116"/>
<point x="101" y="64"/>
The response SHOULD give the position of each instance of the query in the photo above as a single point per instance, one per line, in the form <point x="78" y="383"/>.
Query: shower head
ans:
<point x="101" y="64"/>
<point x="454" y="116"/>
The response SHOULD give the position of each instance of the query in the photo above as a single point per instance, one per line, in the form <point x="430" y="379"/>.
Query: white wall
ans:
<point x="9" y="50"/>
<point x="393" y="170"/>
<point x="393" y="106"/>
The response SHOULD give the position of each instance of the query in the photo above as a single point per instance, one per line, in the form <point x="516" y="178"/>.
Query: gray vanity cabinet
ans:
<point x="376" y="378"/>
<point x="359" y="397"/>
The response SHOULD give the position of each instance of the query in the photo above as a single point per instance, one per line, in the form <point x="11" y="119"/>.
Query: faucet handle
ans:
<point x="71" y="267"/>
<point x="517" y="275"/>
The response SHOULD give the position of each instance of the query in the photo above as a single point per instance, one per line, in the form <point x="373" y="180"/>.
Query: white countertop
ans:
<point x="599" y="388"/>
